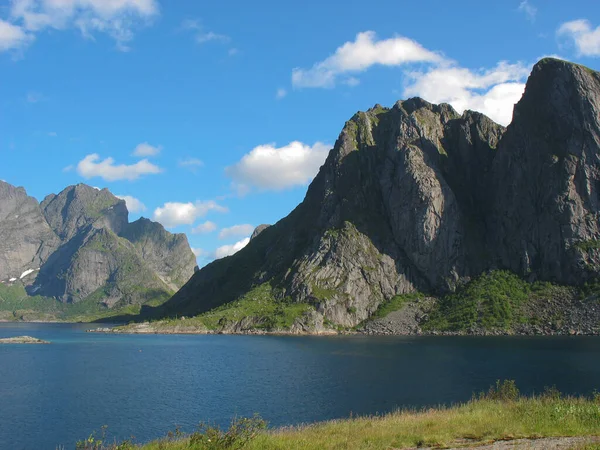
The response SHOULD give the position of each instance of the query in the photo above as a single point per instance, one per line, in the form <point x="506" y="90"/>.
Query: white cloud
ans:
<point x="53" y="134"/>
<point x="358" y="56"/>
<point x="90" y="167"/>
<point x="202" y="35"/>
<point x="236" y="230"/>
<point x="492" y="92"/>
<point x="269" y="167"/>
<point x="172" y="214"/>
<point x="117" y="18"/>
<point x="199" y="252"/>
<point x="145" y="149"/>
<point x="586" y="39"/>
<point x="280" y="93"/>
<point x="192" y="164"/>
<point x="228" y="250"/>
<point x="13" y="37"/>
<point x="206" y="227"/>
<point x="528" y="9"/>
<point x="68" y="168"/>
<point x="133" y="204"/>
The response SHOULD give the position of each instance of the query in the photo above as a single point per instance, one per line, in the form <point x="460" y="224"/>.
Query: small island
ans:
<point x="22" y="340"/>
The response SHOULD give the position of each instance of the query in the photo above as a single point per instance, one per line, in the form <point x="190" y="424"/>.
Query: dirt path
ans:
<point x="560" y="443"/>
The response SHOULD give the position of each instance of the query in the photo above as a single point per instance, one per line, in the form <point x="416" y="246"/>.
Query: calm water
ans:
<point x="146" y="385"/>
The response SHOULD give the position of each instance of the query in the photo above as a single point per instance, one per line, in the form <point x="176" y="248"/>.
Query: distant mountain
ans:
<point x="78" y="246"/>
<point x="421" y="198"/>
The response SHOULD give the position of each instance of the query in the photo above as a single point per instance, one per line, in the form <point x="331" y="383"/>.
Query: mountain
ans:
<point x="26" y="239"/>
<point x="420" y="198"/>
<point x="84" y="250"/>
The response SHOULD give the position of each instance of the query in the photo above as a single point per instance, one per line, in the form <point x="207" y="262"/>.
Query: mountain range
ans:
<point x="78" y="247"/>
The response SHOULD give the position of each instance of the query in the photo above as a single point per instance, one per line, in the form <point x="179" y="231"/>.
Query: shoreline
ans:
<point x="324" y="333"/>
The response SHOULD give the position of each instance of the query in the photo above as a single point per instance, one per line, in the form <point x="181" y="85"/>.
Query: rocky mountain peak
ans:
<point x="80" y="206"/>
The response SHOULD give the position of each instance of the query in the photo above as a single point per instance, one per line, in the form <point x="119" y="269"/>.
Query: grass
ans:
<point x="396" y="303"/>
<point x="491" y="301"/>
<point x="259" y="305"/>
<point x="491" y="416"/>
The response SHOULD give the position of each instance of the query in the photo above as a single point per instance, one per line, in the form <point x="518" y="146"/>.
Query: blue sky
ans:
<point x="212" y="117"/>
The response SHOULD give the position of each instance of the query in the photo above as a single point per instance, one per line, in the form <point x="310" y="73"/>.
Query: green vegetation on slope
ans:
<point x="494" y="300"/>
<point x="499" y="414"/>
<point x="259" y="307"/>
<point x="396" y="303"/>
<point x="16" y="305"/>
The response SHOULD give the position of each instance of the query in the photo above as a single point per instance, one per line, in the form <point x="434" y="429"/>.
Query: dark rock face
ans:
<point x="546" y="177"/>
<point x="418" y="197"/>
<point x="26" y="240"/>
<point x="84" y="248"/>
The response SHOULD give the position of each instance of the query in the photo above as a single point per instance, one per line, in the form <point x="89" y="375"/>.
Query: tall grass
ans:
<point x="500" y="413"/>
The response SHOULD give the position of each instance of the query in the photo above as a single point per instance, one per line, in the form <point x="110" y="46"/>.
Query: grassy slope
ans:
<point x="259" y="305"/>
<point x="477" y="421"/>
<point x="16" y="305"/>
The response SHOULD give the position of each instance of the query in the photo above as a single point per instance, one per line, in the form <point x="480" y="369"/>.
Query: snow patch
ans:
<point x="12" y="279"/>
<point x="27" y="272"/>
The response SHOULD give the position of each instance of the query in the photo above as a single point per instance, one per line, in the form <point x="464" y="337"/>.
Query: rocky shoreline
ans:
<point x="22" y="340"/>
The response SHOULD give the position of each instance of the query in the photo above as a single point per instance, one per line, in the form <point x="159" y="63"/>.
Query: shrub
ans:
<point x="504" y="391"/>
<point x="240" y="433"/>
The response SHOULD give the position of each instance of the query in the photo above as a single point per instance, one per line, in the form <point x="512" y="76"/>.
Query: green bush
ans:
<point x="490" y="301"/>
<point x="505" y="391"/>
<point x="240" y="433"/>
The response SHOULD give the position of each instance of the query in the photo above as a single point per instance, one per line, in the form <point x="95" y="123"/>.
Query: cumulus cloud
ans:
<point x="585" y="38"/>
<point x="172" y="214"/>
<point x="269" y="167"/>
<point x="528" y="9"/>
<point x="144" y="149"/>
<point x="228" y="250"/>
<point x="236" y="230"/>
<point x="365" y="52"/>
<point x="206" y="227"/>
<point x="133" y="204"/>
<point x="13" y="37"/>
<point x="117" y="18"/>
<point x="91" y="166"/>
<point x="492" y="92"/>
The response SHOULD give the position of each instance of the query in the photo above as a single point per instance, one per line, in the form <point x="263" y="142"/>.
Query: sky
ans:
<point x="213" y="117"/>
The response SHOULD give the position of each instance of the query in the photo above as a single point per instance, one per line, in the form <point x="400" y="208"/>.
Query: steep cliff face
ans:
<point x="169" y="255"/>
<point x="418" y="197"/>
<point x="26" y="240"/>
<point x="546" y="177"/>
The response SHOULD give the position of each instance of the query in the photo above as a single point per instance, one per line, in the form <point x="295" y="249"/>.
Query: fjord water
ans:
<point x="52" y="395"/>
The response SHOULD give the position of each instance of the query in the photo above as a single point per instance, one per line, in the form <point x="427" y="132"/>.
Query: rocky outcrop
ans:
<point x="168" y="255"/>
<point x="26" y="240"/>
<point x="78" y="245"/>
<point x="419" y="197"/>
<point x="259" y="229"/>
